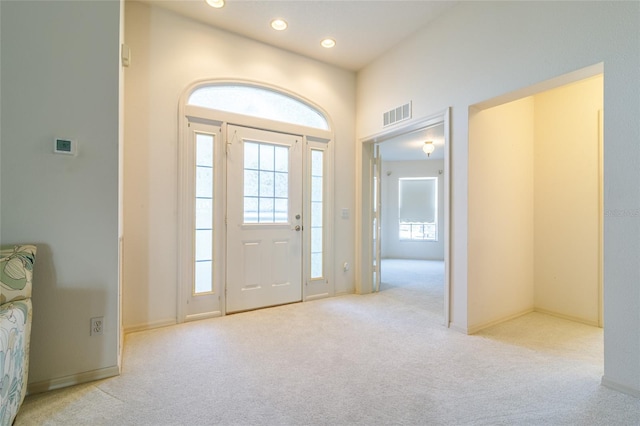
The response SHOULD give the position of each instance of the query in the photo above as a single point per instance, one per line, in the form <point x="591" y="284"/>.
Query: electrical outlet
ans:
<point x="97" y="326"/>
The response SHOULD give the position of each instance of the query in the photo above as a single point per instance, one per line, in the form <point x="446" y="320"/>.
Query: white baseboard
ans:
<point x="458" y="328"/>
<point x="149" y="325"/>
<point x="477" y="328"/>
<point x="205" y="315"/>
<point x="316" y="297"/>
<point x="620" y="388"/>
<point x="568" y="317"/>
<point x="74" y="379"/>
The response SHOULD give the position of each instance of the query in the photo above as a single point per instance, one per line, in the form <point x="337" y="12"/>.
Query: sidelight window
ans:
<point x="203" y="282"/>
<point x="317" y="185"/>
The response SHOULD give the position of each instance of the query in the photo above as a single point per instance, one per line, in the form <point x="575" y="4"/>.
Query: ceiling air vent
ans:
<point x="400" y="113"/>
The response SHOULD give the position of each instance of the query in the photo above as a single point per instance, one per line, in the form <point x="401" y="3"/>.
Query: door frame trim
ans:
<point x="364" y="182"/>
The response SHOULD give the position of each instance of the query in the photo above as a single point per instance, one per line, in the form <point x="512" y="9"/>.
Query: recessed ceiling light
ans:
<point x="328" y="43"/>
<point x="279" y="24"/>
<point x="215" y="3"/>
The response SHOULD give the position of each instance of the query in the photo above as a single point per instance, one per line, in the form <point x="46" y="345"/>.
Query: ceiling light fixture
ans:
<point x="328" y="43"/>
<point x="215" y="3"/>
<point x="428" y="148"/>
<point x="279" y="24"/>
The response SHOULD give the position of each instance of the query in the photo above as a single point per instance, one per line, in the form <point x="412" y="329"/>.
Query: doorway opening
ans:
<point x="412" y="219"/>
<point x="404" y="233"/>
<point x="535" y="203"/>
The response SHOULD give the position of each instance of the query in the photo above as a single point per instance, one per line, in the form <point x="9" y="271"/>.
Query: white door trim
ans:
<point x="364" y="182"/>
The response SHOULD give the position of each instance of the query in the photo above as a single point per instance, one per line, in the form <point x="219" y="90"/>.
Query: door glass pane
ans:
<point x="265" y="214"/>
<point x="281" y="159"/>
<point x="317" y="164"/>
<point x="251" y="179"/>
<point x="316" y="188"/>
<point x="204" y="152"/>
<point x="203" y="276"/>
<point x="267" y="157"/>
<point x="251" y="155"/>
<point x="282" y="185"/>
<point x="251" y="209"/>
<point x="204" y="177"/>
<point x="204" y="213"/>
<point x="316" y="242"/>
<point x="316" y="265"/>
<point x="281" y="209"/>
<point x="266" y="183"/>
<point x="203" y="244"/>
<point x="316" y="214"/>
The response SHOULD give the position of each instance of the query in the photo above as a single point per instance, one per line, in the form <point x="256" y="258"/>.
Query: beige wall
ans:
<point x="534" y="206"/>
<point x="567" y="205"/>
<point x="501" y="222"/>
<point x="169" y="53"/>
<point x="60" y="78"/>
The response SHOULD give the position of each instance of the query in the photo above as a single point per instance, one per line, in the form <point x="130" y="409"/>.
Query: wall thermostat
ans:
<point x="64" y="146"/>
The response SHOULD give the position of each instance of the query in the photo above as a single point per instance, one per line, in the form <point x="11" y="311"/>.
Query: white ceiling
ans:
<point x="363" y="29"/>
<point x="408" y="147"/>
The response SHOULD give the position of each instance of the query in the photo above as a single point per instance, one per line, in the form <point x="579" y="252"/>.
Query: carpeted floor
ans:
<point x="380" y="359"/>
<point x="418" y="283"/>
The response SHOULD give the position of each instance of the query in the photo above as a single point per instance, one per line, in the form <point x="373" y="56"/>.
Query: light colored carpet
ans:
<point x="418" y="283"/>
<point x="380" y="359"/>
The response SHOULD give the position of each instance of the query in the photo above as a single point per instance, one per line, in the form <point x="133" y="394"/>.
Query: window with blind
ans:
<point x="418" y="209"/>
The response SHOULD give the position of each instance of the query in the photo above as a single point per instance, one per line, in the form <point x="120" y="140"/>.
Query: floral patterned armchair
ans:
<point x="16" y="270"/>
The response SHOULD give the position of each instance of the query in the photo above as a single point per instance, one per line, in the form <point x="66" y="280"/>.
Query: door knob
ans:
<point x="298" y="228"/>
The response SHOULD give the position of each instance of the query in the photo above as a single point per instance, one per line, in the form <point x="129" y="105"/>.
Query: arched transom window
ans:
<point x="258" y="102"/>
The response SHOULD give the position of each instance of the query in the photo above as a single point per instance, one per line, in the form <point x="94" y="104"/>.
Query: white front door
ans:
<point x="264" y="218"/>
